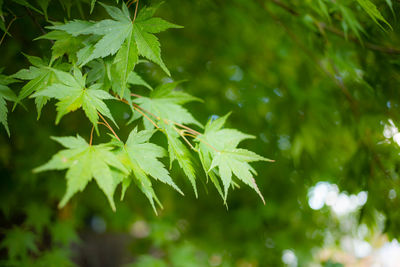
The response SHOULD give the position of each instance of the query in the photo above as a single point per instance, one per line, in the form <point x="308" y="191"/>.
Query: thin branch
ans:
<point x="371" y="46"/>
<point x="129" y="3"/>
<point x="208" y="144"/>
<point x="147" y="117"/>
<point x="285" y="7"/>
<point x="135" y="95"/>
<point x="142" y="111"/>
<point x="139" y="109"/>
<point x="102" y="123"/>
<point x="189" y="134"/>
<point x="340" y="83"/>
<point x="109" y="127"/>
<point x="187" y="128"/>
<point x="176" y="123"/>
<point x="317" y="62"/>
<point x="322" y="25"/>
<point x="136" y="8"/>
<point x="37" y="23"/>
<point x="155" y="116"/>
<point x="8" y="27"/>
<point x="91" y="136"/>
<point x="181" y="133"/>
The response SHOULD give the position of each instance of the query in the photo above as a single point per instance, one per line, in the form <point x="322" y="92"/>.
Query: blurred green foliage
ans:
<point x="315" y="80"/>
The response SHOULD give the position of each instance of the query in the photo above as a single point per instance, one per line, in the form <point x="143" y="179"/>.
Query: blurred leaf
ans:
<point x="373" y="12"/>
<point x="19" y="243"/>
<point x="37" y="217"/>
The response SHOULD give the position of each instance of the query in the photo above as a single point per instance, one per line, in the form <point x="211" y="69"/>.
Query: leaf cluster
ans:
<point x="93" y="62"/>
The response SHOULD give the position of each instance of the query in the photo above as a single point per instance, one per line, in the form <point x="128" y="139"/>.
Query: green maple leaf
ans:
<point x="135" y="79"/>
<point x="44" y="4"/>
<point x="64" y="43"/>
<point x="40" y="75"/>
<point x="37" y="217"/>
<point x="63" y="232"/>
<point x="104" y="72"/>
<point x="85" y="162"/>
<point x="125" y="60"/>
<point x="72" y="94"/>
<point x="5" y="94"/>
<point x="100" y="73"/>
<point x="166" y="103"/>
<point x="92" y="4"/>
<point x="179" y="152"/>
<point x="124" y="37"/>
<point x="220" y="145"/>
<point x="55" y="257"/>
<point x="19" y="242"/>
<point x="350" y="21"/>
<point x="1" y="13"/>
<point x="114" y="32"/>
<point x="141" y="157"/>
<point x="75" y="27"/>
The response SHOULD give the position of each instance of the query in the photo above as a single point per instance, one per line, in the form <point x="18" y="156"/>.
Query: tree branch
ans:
<point x="336" y="31"/>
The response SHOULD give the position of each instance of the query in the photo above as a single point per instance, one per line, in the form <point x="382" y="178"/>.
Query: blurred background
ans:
<point x="317" y="81"/>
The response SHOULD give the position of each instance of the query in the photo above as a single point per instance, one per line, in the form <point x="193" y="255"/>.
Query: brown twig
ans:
<point x="167" y="121"/>
<point x="155" y="116"/>
<point x="8" y="27"/>
<point x="136" y="8"/>
<point x="204" y="142"/>
<point x="181" y="133"/>
<point x="136" y="95"/>
<point x="147" y="117"/>
<point x="91" y="136"/>
<point x="108" y="126"/>
<point x="187" y="128"/>
<point x="139" y="109"/>
<point x="129" y="3"/>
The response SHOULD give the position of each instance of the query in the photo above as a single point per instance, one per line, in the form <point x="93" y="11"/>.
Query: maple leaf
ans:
<point x="373" y="12"/>
<point x="64" y="43"/>
<point x="218" y="148"/>
<point x="125" y="60"/>
<point x="55" y="257"/>
<point x="135" y="79"/>
<point x="40" y="75"/>
<point x="122" y="36"/>
<point x="63" y="232"/>
<point x="85" y="162"/>
<point x="5" y="94"/>
<point x="37" y="216"/>
<point x="99" y="73"/>
<point x="73" y="94"/>
<point x="19" y="242"/>
<point x="103" y="71"/>
<point x="141" y="158"/>
<point x="44" y="4"/>
<point x="179" y="152"/>
<point x="166" y="103"/>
